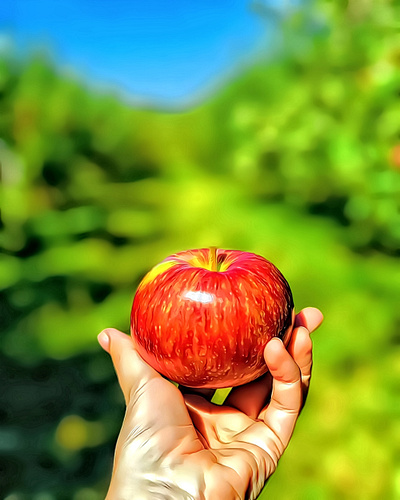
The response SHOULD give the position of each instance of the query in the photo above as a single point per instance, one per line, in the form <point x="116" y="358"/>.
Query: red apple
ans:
<point x="203" y="317"/>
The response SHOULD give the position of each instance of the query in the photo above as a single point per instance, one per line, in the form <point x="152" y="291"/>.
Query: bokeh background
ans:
<point x="296" y="157"/>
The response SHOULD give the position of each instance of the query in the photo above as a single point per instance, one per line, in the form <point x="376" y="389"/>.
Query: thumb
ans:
<point x="132" y="372"/>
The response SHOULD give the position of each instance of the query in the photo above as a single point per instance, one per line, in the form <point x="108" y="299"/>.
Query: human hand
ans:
<point x="175" y="446"/>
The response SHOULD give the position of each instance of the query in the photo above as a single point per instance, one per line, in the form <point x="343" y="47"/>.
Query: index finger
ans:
<point x="281" y="413"/>
<point x="251" y="398"/>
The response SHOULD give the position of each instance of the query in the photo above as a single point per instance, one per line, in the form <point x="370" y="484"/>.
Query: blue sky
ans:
<point x="162" y="51"/>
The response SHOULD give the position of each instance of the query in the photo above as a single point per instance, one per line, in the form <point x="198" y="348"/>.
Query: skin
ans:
<point x="176" y="445"/>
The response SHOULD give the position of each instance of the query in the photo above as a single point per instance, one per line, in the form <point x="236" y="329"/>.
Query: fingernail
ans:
<point x="104" y="341"/>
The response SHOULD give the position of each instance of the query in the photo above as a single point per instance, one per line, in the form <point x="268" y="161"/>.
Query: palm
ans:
<point x="244" y="451"/>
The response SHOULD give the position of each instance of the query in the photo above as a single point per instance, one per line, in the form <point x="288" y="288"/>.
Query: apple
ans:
<point x="202" y="318"/>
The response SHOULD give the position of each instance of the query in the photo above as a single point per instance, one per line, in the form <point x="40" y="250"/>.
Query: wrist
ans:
<point x="168" y="483"/>
<point x="175" y="483"/>
<point x="149" y="490"/>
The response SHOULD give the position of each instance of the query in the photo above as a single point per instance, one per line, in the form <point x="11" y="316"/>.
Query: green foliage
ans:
<point x="297" y="160"/>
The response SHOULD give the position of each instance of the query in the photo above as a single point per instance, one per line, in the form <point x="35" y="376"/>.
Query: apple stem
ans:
<point x="213" y="259"/>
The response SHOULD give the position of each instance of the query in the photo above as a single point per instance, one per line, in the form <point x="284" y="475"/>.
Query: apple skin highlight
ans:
<point x="208" y="328"/>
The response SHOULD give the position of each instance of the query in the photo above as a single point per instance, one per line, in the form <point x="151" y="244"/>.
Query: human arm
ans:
<point x="181" y="446"/>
